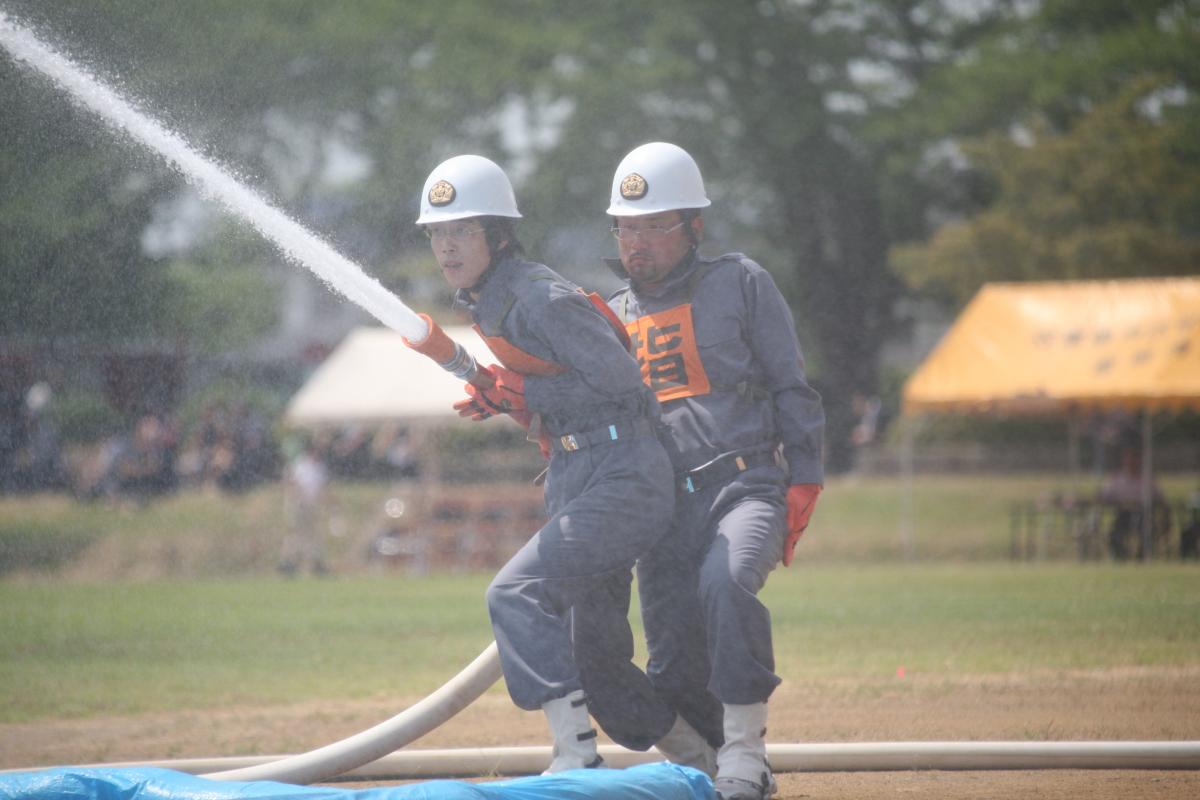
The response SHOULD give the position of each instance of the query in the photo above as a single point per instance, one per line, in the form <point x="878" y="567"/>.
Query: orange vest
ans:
<point x="518" y="360"/>
<point x="664" y="344"/>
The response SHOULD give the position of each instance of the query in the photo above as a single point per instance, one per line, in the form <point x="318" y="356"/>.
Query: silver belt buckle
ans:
<point x="569" y="443"/>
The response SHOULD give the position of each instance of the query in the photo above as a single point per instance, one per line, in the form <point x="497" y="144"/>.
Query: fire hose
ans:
<point x="374" y="743"/>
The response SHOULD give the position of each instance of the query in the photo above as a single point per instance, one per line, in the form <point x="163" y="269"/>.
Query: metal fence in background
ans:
<point x="1090" y="530"/>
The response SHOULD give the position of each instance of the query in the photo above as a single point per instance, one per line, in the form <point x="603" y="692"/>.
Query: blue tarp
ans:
<point x="658" y="781"/>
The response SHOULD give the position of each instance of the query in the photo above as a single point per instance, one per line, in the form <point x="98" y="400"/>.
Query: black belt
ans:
<point x="625" y="429"/>
<point x="721" y="469"/>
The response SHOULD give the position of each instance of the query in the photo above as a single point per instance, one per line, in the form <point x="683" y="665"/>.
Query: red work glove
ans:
<point x="471" y="407"/>
<point x="801" y="500"/>
<point x="479" y="408"/>
<point x="506" y="395"/>
<point x="475" y="409"/>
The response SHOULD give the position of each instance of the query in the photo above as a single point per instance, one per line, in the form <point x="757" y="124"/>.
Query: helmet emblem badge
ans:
<point x="441" y="193"/>
<point x="633" y="187"/>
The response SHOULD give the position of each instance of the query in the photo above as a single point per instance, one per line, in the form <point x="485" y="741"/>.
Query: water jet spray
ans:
<point x="298" y="244"/>
<point x="340" y="274"/>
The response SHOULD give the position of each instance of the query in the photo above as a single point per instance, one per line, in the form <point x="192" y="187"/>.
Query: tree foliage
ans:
<point x="1109" y="198"/>
<point x="762" y="95"/>
<point x="962" y="142"/>
<point x="71" y="221"/>
<point x="1088" y="168"/>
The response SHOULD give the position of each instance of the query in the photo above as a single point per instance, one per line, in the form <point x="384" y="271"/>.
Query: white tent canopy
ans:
<point x="372" y="377"/>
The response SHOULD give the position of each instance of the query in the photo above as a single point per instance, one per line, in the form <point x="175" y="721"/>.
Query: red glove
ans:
<point x="476" y="408"/>
<point x="801" y="500"/>
<point x="506" y="395"/>
<point x="471" y="407"/>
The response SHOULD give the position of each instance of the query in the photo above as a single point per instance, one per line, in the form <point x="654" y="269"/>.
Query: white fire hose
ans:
<point x="374" y="743"/>
<point x="372" y="754"/>
<point x="838" y="757"/>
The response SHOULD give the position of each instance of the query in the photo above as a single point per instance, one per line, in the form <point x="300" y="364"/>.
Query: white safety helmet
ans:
<point x="656" y="177"/>
<point x="467" y="186"/>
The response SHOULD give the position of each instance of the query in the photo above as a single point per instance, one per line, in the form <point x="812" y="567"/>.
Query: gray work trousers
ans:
<point x="608" y="505"/>
<point x="707" y="633"/>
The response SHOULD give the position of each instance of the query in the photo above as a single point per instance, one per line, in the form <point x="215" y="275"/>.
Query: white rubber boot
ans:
<point x="742" y="769"/>
<point x="684" y="745"/>
<point x="574" y="736"/>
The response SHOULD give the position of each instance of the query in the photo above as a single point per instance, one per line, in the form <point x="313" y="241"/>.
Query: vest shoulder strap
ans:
<point x="610" y="317"/>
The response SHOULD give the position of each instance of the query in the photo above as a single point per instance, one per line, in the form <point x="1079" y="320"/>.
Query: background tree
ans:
<point x="71" y="222"/>
<point x="1112" y="197"/>
<point x="276" y="83"/>
<point x="1064" y="146"/>
<point x="829" y="132"/>
<point x="765" y="97"/>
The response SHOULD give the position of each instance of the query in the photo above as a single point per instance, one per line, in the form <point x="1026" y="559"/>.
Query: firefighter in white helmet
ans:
<point x="717" y="344"/>
<point x="566" y="374"/>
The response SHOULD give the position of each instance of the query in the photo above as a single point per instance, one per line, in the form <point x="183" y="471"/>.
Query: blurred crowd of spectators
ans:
<point x="230" y="447"/>
<point x="30" y="451"/>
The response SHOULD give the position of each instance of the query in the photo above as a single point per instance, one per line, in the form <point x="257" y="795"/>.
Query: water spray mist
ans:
<point x="297" y="243"/>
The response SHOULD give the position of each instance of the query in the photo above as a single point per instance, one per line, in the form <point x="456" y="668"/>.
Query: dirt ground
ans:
<point x="1149" y="704"/>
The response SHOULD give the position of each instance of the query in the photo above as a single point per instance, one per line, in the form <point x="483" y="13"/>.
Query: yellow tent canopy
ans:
<point x="1058" y="346"/>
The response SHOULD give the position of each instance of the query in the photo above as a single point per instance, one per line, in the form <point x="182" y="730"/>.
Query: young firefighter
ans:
<point x="566" y="374"/>
<point x="717" y="344"/>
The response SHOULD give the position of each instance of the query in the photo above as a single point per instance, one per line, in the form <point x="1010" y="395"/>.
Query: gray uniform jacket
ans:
<point x="560" y="606"/>
<point x="543" y="314"/>
<point x="717" y="341"/>
<point x="746" y="339"/>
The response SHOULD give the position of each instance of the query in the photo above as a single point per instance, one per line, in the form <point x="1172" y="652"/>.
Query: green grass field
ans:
<point x="196" y="534"/>
<point x="199" y="619"/>
<point x="82" y="650"/>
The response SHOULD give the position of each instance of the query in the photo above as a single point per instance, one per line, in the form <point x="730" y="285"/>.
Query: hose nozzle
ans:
<point x="449" y="354"/>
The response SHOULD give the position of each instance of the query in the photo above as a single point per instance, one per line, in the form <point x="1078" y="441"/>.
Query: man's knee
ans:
<point x="499" y="594"/>
<point x="723" y="576"/>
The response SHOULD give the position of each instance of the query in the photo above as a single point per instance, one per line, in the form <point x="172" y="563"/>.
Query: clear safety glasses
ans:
<point x="649" y="234"/>
<point x="456" y="233"/>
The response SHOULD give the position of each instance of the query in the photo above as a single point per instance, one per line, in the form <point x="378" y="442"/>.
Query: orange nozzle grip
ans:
<point x="436" y="344"/>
